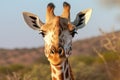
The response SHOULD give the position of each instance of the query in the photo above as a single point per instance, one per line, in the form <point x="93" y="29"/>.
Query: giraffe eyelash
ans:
<point x="73" y="32"/>
<point x="42" y="33"/>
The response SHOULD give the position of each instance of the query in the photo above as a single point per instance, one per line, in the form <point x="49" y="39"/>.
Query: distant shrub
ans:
<point x="110" y="56"/>
<point x="11" y="68"/>
<point x="104" y="66"/>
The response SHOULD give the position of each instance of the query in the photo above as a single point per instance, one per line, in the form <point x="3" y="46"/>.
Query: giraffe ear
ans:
<point x="82" y="18"/>
<point x="32" y="20"/>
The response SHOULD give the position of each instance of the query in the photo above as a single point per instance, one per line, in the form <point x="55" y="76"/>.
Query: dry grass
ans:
<point x="111" y="44"/>
<point x="104" y="66"/>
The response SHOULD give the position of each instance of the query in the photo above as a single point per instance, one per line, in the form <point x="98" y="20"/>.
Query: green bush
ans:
<point x="11" y="68"/>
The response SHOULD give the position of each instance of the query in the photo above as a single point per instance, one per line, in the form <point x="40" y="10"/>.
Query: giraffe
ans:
<point x="58" y="32"/>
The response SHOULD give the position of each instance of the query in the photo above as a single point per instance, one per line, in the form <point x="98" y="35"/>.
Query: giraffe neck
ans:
<point x="61" y="71"/>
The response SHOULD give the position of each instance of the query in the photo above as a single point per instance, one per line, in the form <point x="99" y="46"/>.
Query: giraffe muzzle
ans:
<point x="59" y="51"/>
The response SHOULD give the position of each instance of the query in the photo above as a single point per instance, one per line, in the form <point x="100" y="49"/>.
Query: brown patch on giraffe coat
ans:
<point x="59" y="68"/>
<point x="53" y="78"/>
<point x="67" y="73"/>
<point x="61" y="77"/>
<point x="53" y="71"/>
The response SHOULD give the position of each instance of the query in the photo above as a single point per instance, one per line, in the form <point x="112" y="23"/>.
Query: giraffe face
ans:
<point x="58" y="31"/>
<point x="58" y="36"/>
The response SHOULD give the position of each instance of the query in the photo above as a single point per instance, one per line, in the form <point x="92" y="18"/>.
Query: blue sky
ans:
<point x="14" y="33"/>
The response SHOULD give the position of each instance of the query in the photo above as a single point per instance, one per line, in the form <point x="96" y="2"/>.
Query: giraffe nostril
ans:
<point x="52" y="51"/>
<point x="60" y="51"/>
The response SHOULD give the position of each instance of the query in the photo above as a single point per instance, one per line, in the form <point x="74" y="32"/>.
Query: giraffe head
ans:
<point x="58" y="31"/>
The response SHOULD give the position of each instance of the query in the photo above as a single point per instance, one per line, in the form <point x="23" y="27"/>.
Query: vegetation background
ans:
<point x="99" y="60"/>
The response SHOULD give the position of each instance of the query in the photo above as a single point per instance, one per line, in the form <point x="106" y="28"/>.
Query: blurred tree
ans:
<point x="111" y="3"/>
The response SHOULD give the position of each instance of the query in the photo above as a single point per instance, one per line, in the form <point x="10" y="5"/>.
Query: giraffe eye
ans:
<point x="73" y="33"/>
<point x="42" y="33"/>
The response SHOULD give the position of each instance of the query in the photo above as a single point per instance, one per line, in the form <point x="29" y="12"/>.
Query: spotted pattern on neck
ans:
<point x="62" y="71"/>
